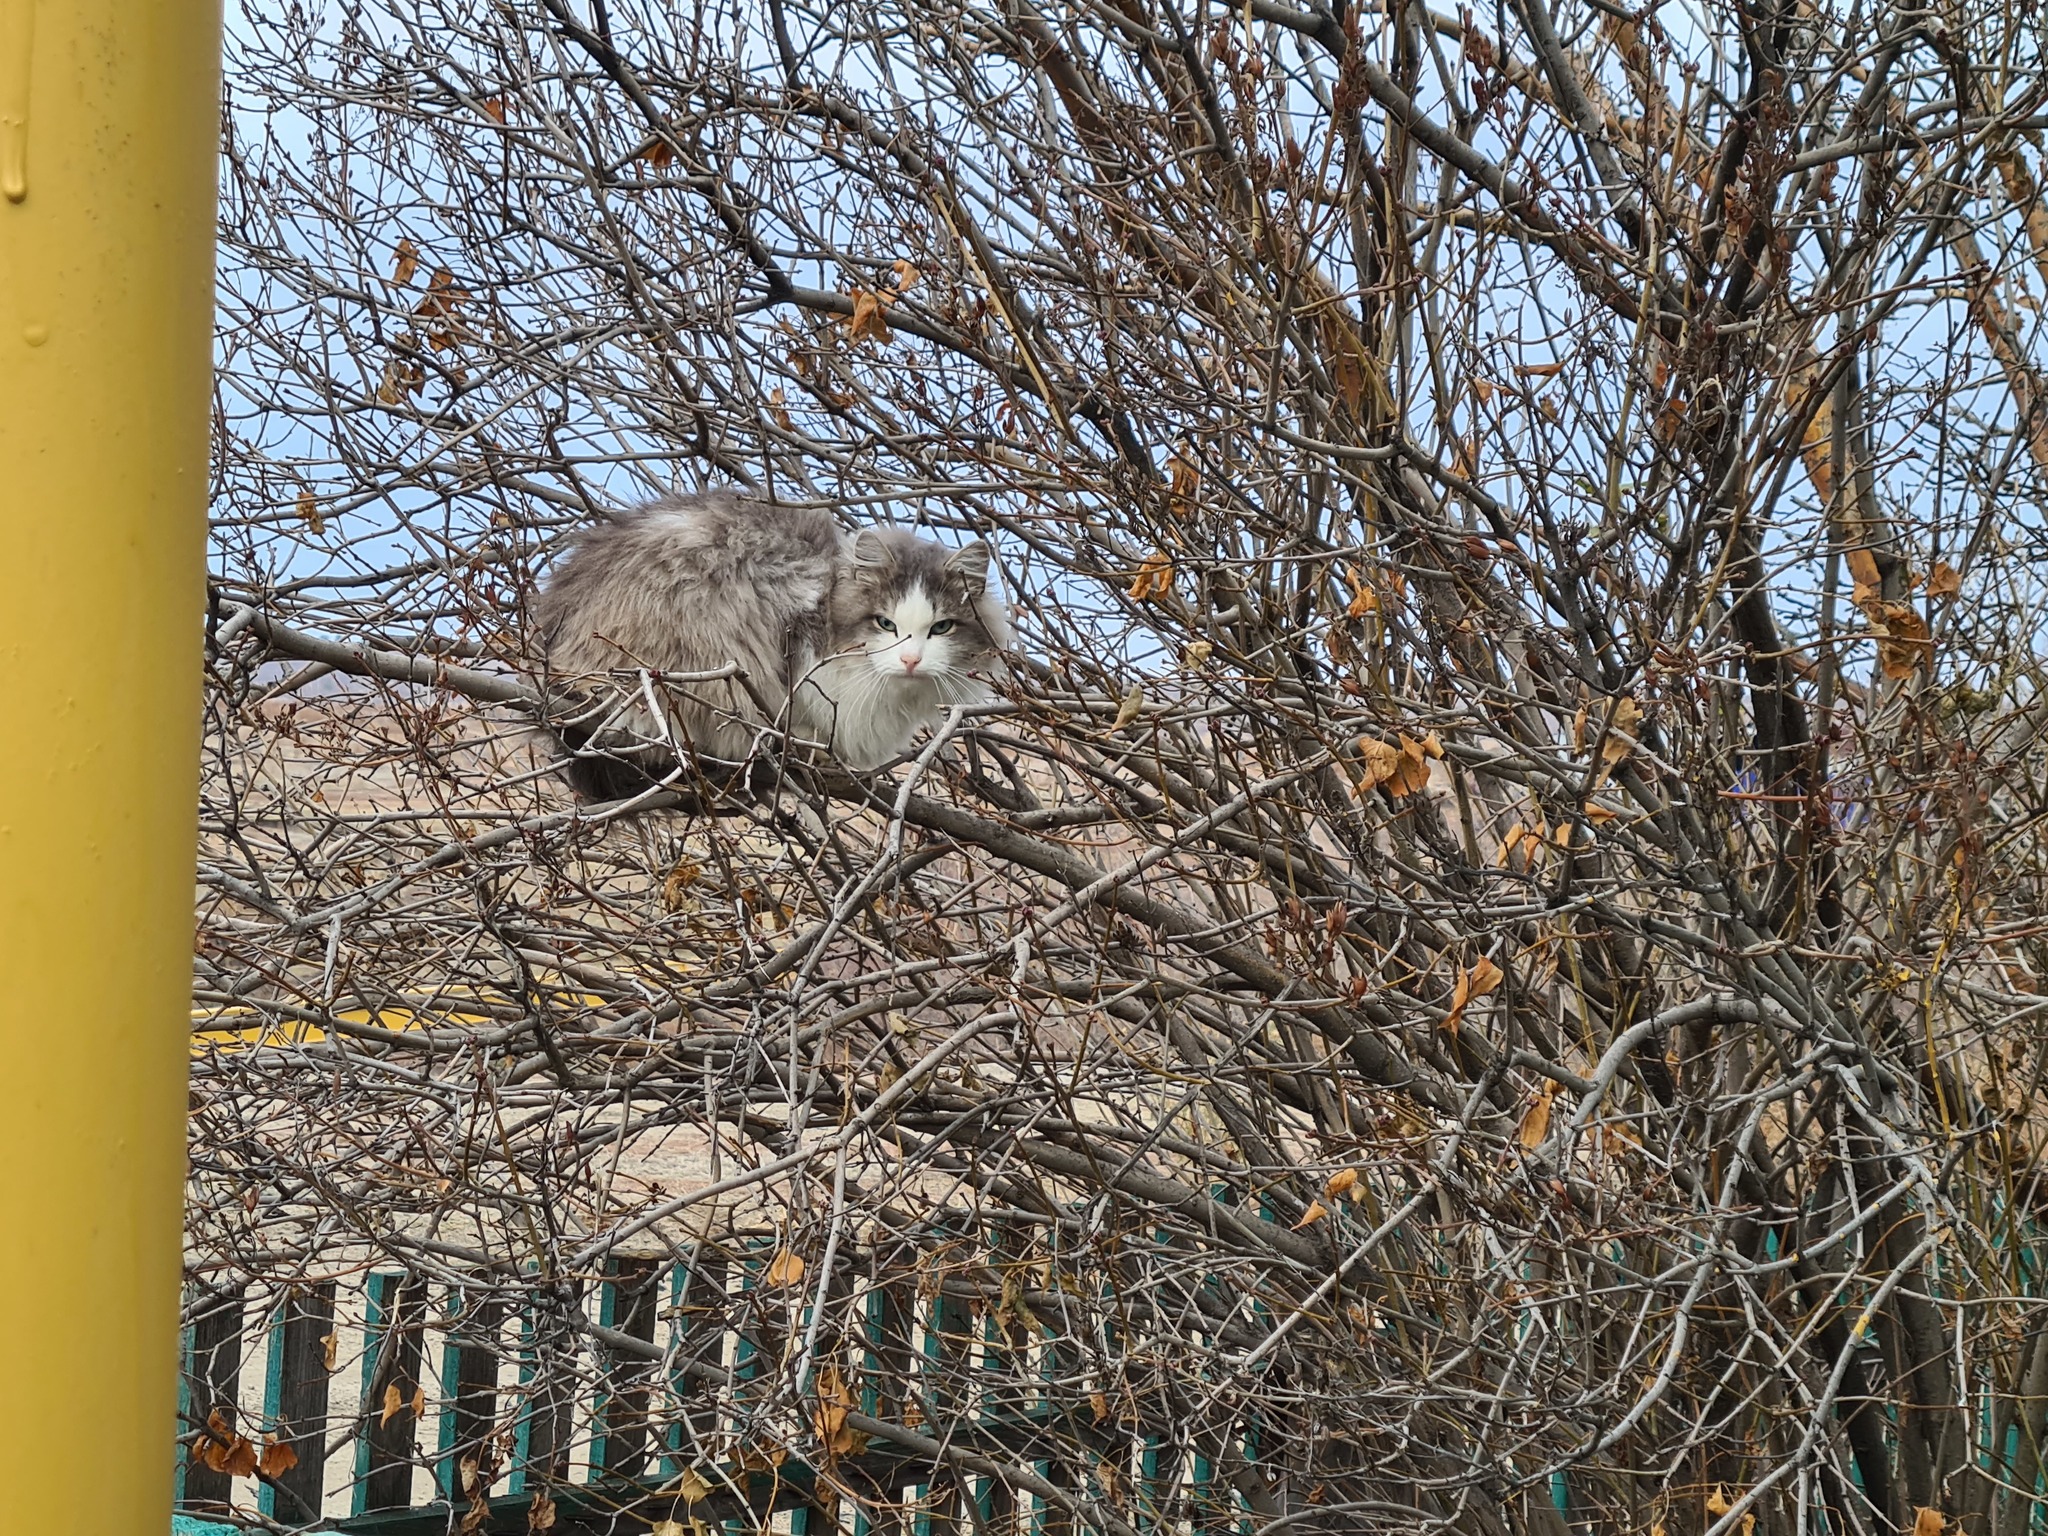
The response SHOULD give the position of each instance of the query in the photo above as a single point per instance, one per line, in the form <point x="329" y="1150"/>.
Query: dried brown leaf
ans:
<point x="1127" y="711"/>
<point x="1863" y="573"/>
<point x="1535" y="1124"/>
<point x="540" y="1515"/>
<point x="1473" y="983"/>
<point x="1621" y="733"/>
<point x="1816" y="446"/>
<point x="1719" y="1504"/>
<point x="1349" y="376"/>
<point x="1508" y="844"/>
<point x="675" y="889"/>
<point x="278" y="1457"/>
<point x="222" y="1449"/>
<point x="867" y="322"/>
<point x="401" y="378"/>
<point x="750" y="1456"/>
<point x="1153" y="578"/>
<point x="1411" y="771"/>
<point x="1184" y="480"/>
<point x="833" y="1404"/>
<point x="1904" y="645"/>
<point x="1379" y="761"/>
<point x="442" y="297"/>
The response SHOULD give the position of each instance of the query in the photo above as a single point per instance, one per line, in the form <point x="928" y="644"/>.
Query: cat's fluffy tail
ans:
<point x="601" y="775"/>
<point x="598" y="774"/>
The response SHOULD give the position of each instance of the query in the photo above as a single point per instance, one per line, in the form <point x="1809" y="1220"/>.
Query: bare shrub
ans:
<point x="1485" y="977"/>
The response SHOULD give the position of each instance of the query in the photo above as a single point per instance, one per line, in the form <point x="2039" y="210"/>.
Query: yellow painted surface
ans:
<point x="107" y="137"/>
<point x="243" y="1025"/>
<point x="223" y="1029"/>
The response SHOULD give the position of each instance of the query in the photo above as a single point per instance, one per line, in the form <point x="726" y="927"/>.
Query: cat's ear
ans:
<point x="870" y="548"/>
<point x="970" y="563"/>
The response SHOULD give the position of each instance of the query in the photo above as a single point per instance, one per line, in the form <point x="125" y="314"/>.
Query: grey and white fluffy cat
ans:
<point x="857" y="641"/>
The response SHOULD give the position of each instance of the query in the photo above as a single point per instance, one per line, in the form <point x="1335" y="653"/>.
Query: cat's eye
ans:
<point x="884" y="625"/>
<point x="943" y="627"/>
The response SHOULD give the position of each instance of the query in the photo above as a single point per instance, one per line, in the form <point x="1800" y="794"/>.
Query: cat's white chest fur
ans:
<point x="868" y="719"/>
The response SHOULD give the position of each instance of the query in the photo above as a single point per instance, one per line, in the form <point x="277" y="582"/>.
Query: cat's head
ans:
<point x="917" y="609"/>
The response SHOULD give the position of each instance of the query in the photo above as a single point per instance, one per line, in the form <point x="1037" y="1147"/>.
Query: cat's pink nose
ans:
<point x="911" y="659"/>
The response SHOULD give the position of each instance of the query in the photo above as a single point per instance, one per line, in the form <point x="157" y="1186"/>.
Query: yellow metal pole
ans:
<point x="108" y="118"/>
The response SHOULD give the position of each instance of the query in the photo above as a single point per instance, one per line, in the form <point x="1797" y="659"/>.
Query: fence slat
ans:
<point x="762" y="1314"/>
<point x="701" y="1332"/>
<point x="630" y="1300"/>
<point x="213" y="1374"/>
<point x="469" y="1376"/>
<point x="549" y="1380"/>
<point x="1005" y="1352"/>
<point x="391" y="1393"/>
<point x="949" y="1350"/>
<point x="889" y="1385"/>
<point x="296" y="1400"/>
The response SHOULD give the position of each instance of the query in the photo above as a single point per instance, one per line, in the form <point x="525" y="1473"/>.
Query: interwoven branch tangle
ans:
<point x="1484" y="975"/>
